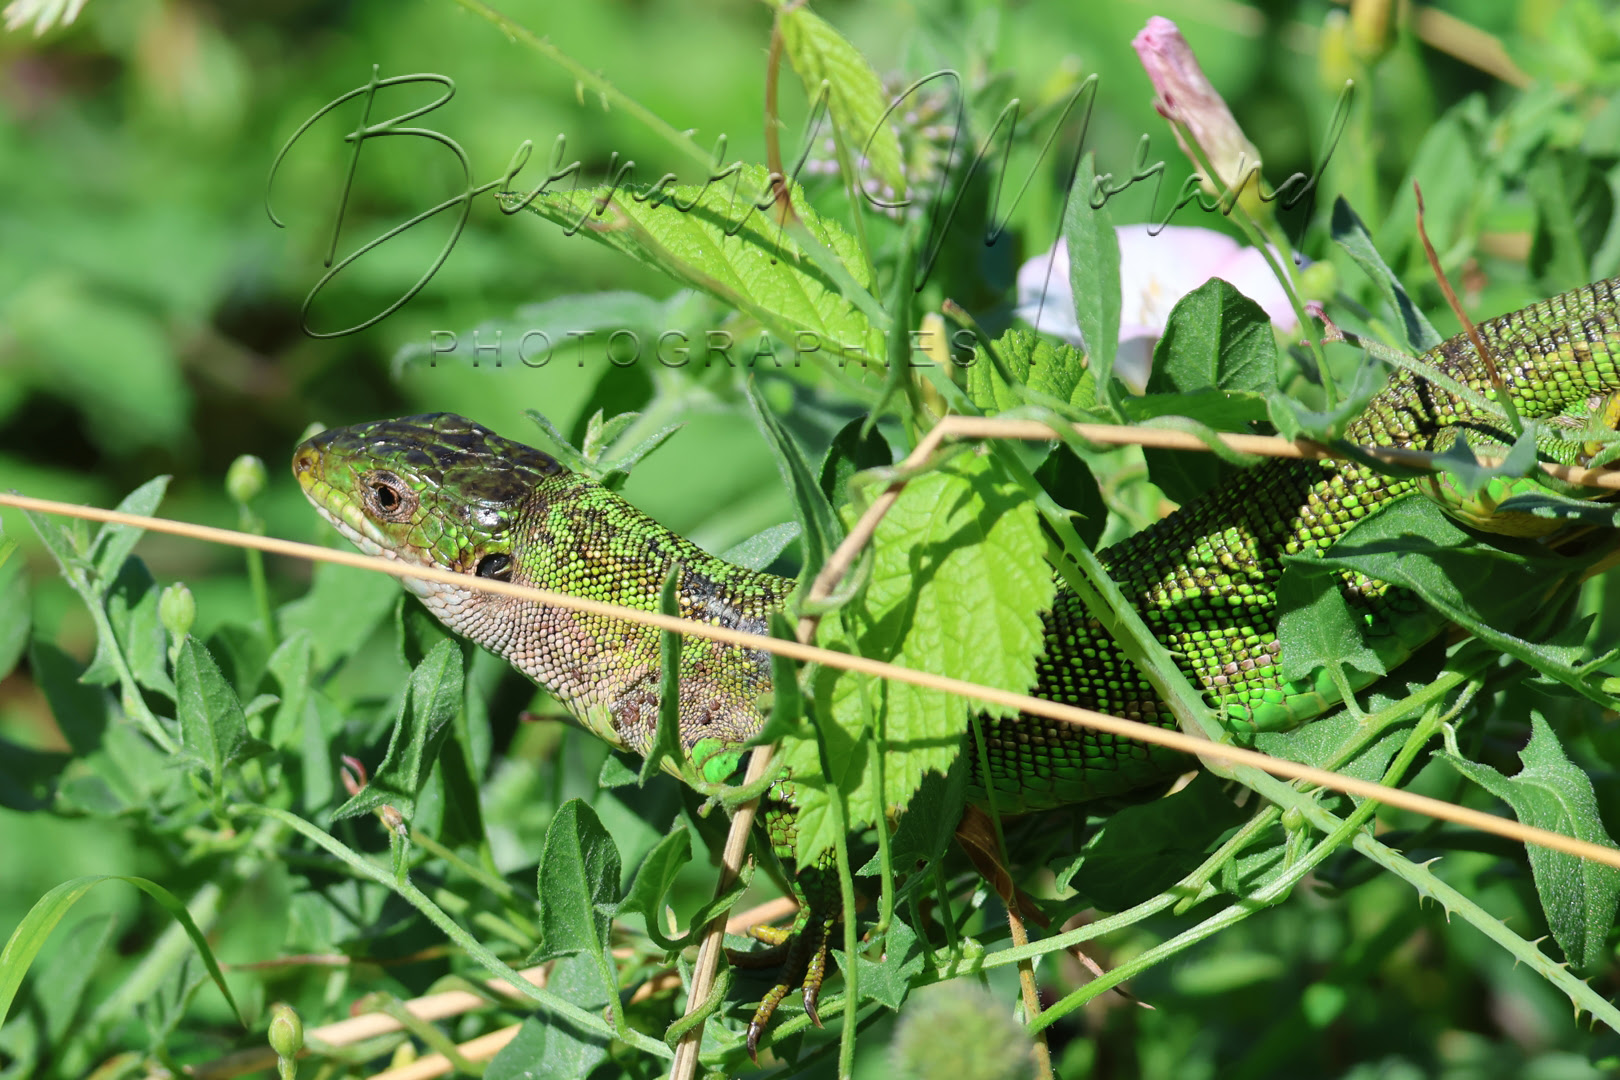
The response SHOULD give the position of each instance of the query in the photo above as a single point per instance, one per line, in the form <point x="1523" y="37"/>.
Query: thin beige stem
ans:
<point x="843" y="556"/>
<point x="430" y="1007"/>
<point x="1468" y="43"/>
<point x="443" y="1006"/>
<point x="708" y="958"/>
<point x="1032" y="995"/>
<point x="981" y="427"/>
<point x="1201" y="748"/>
<point x="482" y="1048"/>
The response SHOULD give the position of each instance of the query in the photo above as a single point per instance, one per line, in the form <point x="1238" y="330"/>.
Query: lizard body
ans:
<point x="443" y="491"/>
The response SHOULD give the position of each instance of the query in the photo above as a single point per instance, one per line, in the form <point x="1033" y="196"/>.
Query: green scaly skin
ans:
<point x="442" y="491"/>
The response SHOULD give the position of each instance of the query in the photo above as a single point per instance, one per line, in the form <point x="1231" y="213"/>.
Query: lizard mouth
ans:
<point x="345" y="514"/>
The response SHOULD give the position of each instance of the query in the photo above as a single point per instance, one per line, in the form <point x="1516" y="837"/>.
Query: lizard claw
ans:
<point x="805" y="966"/>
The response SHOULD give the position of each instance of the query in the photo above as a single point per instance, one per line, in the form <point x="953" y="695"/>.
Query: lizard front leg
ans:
<point x="802" y="947"/>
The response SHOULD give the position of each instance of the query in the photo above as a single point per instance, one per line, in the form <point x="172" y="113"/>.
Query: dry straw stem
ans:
<point x="441" y="1006"/>
<point x="810" y="654"/>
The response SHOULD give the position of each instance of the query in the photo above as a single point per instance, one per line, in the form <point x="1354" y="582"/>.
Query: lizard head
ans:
<point x="433" y="490"/>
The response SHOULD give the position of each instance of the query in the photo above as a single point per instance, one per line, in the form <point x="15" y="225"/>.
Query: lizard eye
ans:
<point x="388" y="498"/>
<point x="497" y="567"/>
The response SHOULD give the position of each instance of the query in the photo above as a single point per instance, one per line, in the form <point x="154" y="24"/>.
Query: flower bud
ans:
<point x="1372" y="29"/>
<point x="1319" y="281"/>
<point x="177" y="610"/>
<point x="245" y="479"/>
<point x="1187" y="100"/>
<point x="286" y="1037"/>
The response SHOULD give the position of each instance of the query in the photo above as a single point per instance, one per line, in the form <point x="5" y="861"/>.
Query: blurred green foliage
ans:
<point x="150" y="323"/>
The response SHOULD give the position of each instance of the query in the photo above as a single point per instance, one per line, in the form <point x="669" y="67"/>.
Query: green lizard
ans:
<point x="440" y="490"/>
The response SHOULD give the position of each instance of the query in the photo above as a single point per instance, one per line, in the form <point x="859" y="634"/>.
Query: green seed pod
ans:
<point x="177" y="610"/>
<point x="245" y="478"/>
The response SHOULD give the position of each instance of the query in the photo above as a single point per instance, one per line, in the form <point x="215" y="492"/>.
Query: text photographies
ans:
<point x="663" y="193"/>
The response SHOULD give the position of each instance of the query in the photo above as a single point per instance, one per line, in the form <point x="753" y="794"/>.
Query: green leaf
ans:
<point x="115" y="542"/>
<point x="36" y="926"/>
<point x="1315" y="625"/>
<point x="957" y="587"/>
<point x="1294" y="420"/>
<point x="1220" y="410"/>
<point x="416" y="630"/>
<point x="617" y="771"/>
<point x="1351" y="234"/>
<point x="821" y="529"/>
<point x="431" y="701"/>
<point x="213" y="728"/>
<point x="340" y="611"/>
<point x="1142" y="850"/>
<point x="60" y="987"/>
<point x="1556" y="507"/>
<point x="463" y="820"/>
<point x="290" y="665"/>
<point x="1216" y="339"/>
<point x="132" y="609"/>
<point x="16" y="608"/>
<point x="82" y="711"/>
<point x="716" y="239"/>
<point x="548" y="1047"/>
<point x="854" y="448"/>
<point x="1459" y="460"/>
<point x="928" y="826"/>
<point x="652" y="883"/>
<point x="764" y="547"/>
<point x="890" y="981"/>
<point x="578" y="888"/>
<point x="243" y="655"/>
<point x="855" y="95"/>
<point x="1053" y="369"/>
<point x="1412" y="543"/>
<point x="666" y="741"/>
<point x="1093" y="275"/>
<point x="1574" y="205"/>
<point x="1073" y="486"/>
<point x="578" y="882"/>
<point x="1579" y="896"/>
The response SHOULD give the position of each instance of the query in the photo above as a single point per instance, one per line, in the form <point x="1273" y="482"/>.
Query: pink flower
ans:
<point x="1186" y="99"/>
<point x="1155" y="271"/>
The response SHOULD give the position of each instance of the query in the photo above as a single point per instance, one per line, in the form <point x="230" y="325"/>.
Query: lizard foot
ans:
<point x="805" y="965"/>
